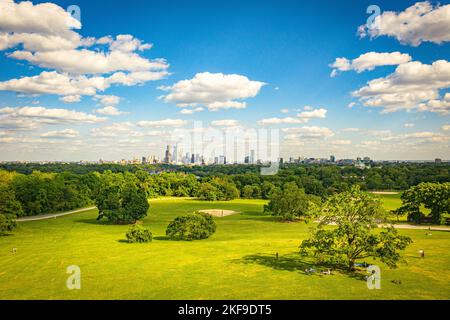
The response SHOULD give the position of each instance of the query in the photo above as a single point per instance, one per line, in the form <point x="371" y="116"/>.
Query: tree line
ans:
<point x="318" y="179"/>
<point x="26" y="194"/>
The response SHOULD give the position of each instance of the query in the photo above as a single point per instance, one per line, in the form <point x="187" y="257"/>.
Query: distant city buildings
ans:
<point x="168" y="156"/>
<point x="198" y="159"/>
<point x="173" y="155"/>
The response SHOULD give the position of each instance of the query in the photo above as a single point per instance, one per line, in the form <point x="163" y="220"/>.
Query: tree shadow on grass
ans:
<point x="97" y="222"/>
<point x="6" y="234"/>
<point x="260" y="217"/>
<point x="254" y="213"/>
<point x="297" y="263"/>
<point x="162" y="238"/>
<point x="291" y="262"/>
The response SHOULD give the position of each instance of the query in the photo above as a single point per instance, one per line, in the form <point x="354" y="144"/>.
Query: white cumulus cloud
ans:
<point x="225" y="123"/>
<point x="369" y="61"/>
<point x="110" y="111"/>
<point x="413" y="86"/>
<point x="213" y="91"/>
<point x="62" y="134"/>
<point x="421" y="22"/>
<point x="162" y="123"/>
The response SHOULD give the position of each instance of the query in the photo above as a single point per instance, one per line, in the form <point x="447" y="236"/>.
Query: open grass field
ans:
<point x="237" y="262"/>
<point x="390" y="201"/>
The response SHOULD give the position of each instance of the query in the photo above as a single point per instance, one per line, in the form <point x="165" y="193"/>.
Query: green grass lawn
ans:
<point x="237" y="262"/>
<point x="390" y="201"/>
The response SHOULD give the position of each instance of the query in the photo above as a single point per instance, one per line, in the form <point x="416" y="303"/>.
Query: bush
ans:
<point x="137" y="233"/>
<point x="7" y="223"/>
<point x="195" y="226"/>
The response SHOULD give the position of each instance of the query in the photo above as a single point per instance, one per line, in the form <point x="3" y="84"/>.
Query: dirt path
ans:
<point x="226" y="213"/>
<point x="52" y="215"/>
<point x="384" y="192"/>
<point x="415" y="227"/>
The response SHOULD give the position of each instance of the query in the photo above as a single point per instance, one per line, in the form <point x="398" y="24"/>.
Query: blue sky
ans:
<point x="287" y="45"/>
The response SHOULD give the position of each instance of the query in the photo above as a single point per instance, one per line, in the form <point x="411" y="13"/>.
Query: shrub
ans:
<point x="137" y="233"/>
<point x="7" y="223"/>
<point x="191" y="227"/>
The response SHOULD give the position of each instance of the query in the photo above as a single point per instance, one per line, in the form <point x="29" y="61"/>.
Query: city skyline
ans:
<point x="119" y="81"/>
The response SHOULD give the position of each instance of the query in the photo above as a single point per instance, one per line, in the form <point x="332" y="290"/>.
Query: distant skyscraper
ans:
<point x="193" y="158"/>
<point x="332" y="159"/>
<point x="168" y="156"/>
<point x="222" y="160"/>
<point x="252" y="157"/>
<point x="175" y="153"/>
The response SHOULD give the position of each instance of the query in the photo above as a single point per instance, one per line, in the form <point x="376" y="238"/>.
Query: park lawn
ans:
<point x="237" y="262"/>
<point x="391" y="202"/>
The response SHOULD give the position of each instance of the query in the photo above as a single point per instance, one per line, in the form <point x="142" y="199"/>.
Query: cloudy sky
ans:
<point x="120" y="79"/>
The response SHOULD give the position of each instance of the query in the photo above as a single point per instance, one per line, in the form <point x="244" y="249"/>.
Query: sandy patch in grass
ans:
<point x="384" y="192"/>
<point x="219" y="212"/>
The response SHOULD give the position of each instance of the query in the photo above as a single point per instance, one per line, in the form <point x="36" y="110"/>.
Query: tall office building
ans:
<point x="252" y="157"/>
<point x="175" y="154"/>
<point x="168" y="156"/>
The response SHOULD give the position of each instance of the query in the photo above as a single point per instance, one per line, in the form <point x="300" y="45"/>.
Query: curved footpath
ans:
<point x="53" y="215"/>
<point x="397" y="226"/>
<point x="417" y="227"/>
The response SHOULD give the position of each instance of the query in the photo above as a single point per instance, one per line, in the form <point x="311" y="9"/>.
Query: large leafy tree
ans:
<point x="218" y="189"/>
<point x="433" y="196"/>
<point x="291" y="203"/>
<point x="355" y="215"/>
<point x="247" y="192"/>
<point x="122" y="203"/>
<point x="10" y="208"/>
<point x="208" y="192"/>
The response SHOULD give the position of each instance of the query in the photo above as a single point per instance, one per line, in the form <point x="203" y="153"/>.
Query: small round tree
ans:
<point x="137" y="233"/>
<point x="195" y="226"/>
<point x="7" y="223"/>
